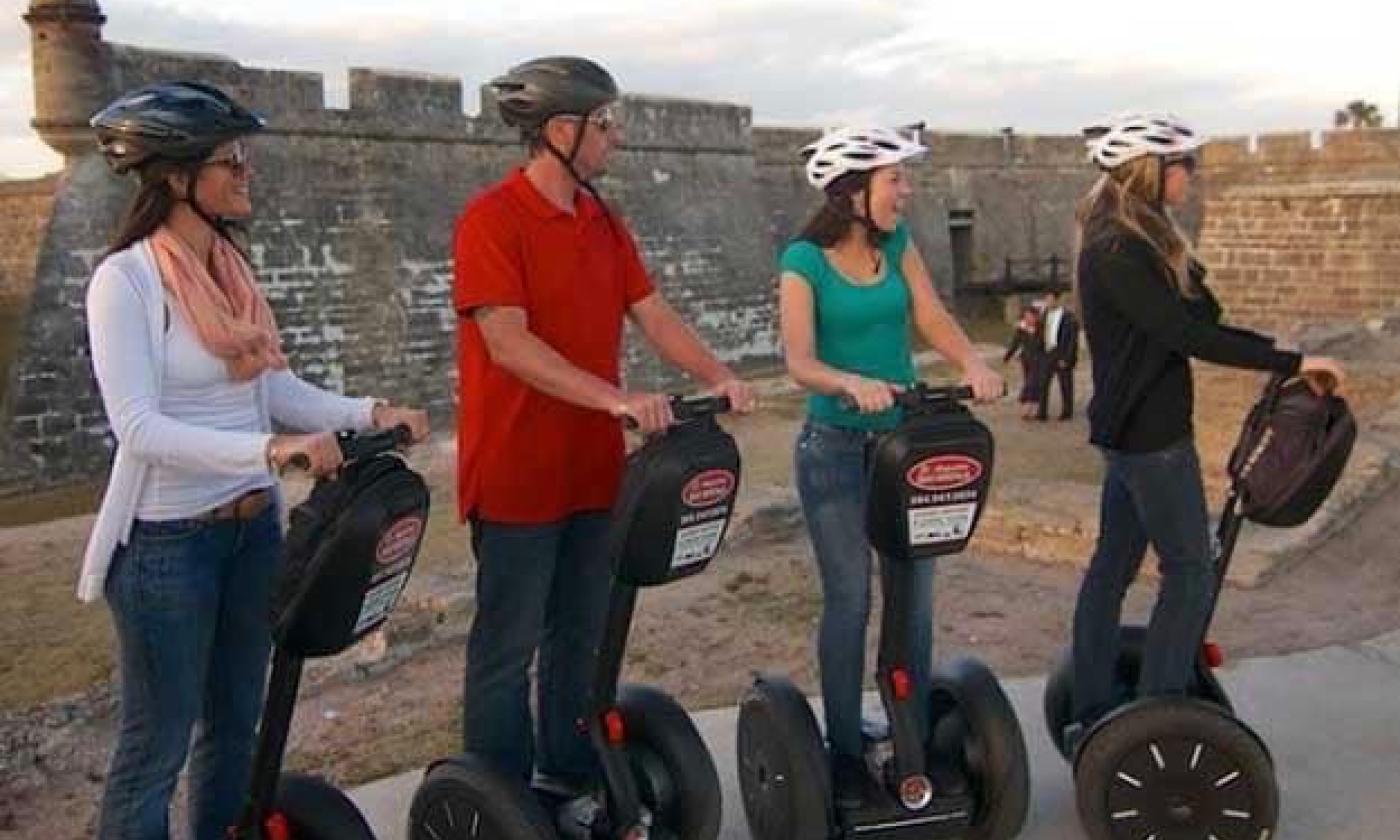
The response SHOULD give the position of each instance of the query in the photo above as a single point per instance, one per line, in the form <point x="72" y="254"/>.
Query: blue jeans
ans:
<point x="1157" y="497"/>
<point x="545" y="588"/>
<point x="190" y="603"/>
<point x="831" y="467"/>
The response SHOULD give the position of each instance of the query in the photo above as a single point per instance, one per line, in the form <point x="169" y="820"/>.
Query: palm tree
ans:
<point x="1358" y="114"/>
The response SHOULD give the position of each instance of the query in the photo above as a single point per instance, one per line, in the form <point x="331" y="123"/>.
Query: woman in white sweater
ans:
<point x="187" y="541"/>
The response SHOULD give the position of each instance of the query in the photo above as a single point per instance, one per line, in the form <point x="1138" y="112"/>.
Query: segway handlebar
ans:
<point x="355" y="446"/>
<point x="685" y="409"/>
<point x="921" y="394"/>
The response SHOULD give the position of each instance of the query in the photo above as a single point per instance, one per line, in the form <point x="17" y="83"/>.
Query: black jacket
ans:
<point x="1066" y="338"/>
<point x="1141" y="334"/>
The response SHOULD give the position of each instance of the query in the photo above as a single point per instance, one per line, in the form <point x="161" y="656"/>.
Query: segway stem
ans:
<point x="895" y="585"/>
<point x="272" y="743"/>
<point x="624" y="801"/>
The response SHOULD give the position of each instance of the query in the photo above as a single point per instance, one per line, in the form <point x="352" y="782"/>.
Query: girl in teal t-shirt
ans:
<point x="854" y="291"/>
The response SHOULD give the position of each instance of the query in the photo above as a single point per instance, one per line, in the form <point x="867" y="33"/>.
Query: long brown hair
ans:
<point x="154" y="200"/>
<point x="833" y="220"/>
<point x="1127" y="199"/>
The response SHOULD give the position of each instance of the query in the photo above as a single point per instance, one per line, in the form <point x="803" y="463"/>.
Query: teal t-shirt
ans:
<point x="861" y="329"/>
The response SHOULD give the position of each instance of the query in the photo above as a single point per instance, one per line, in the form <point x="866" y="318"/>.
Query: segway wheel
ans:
<point x="675" y="774"/>
<point x="1059" y="687"/>
<point x="974" y="724"/>
<point x="1175" y="767"/>
<point x="784" y="774"/>
<point x="311" y="808"/>
<point x="466" y="798"/>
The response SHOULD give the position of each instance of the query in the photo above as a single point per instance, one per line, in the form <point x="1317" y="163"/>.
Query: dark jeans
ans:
<point x="831" y="482"/>
<point x="1065" y="376"/>
<point x="545" y="588"/>
<point x="1156" y="497"/>
<point x="190" y="603"/>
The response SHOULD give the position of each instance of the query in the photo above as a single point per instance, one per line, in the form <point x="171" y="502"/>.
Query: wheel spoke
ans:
<point x="1157" y="757"/>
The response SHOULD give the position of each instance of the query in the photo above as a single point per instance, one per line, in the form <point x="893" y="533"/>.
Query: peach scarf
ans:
<point x="225" y="307"/>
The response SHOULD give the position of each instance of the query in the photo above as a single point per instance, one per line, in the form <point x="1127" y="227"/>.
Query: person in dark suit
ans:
<point x="1061" y="355"/>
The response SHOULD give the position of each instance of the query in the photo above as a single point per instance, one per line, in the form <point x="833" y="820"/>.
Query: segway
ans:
<point x="1183" y="766"/>
<point x="659" y="780"/>
<point x="968" y="777"/>
<point x="350" y="548"/>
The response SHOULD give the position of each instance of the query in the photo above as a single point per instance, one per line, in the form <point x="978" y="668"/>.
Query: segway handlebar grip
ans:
<point x="358" y="445"/>
<point x="685" y="409"/>
<point x="692" y="408"/>
<point x="920" y="394"/>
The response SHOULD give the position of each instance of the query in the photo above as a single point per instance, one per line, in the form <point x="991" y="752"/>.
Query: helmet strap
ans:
<point x="568" y="163"/>
<point x="874" y="235"/>
<point x="218" y="224"/>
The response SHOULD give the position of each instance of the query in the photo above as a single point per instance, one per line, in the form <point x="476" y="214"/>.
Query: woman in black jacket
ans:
<point x="1029" y="341"/>
<point x="1146" y="312"/>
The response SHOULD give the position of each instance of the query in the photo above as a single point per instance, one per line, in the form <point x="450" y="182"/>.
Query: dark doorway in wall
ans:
<point x="960" y="235"/>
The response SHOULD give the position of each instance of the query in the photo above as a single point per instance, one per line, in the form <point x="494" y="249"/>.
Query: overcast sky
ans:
<point x="1229" y="67"/>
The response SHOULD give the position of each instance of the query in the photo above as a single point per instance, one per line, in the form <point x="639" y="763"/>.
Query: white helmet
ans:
<point x="1116" y="141"/>
<point x="856" y="150"/>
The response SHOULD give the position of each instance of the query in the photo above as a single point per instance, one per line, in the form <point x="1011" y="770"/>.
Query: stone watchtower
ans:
<point x="72" y="71"/>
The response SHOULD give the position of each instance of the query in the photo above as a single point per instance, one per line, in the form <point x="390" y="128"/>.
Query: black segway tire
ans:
<point x="675" y="774"/>
<point x="784" y="774"/>
<point x="974" y="724"/>
<point x="317" y="810"/>
<point x="1059" y="687"/>
<point x="465" y="797"/>
<point x="1175" y="767"/>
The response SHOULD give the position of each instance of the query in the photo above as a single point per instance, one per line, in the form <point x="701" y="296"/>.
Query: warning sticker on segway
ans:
<point x="697" y="543"/>
<point x="379" y="600"/>
<point x="945" y="523"/>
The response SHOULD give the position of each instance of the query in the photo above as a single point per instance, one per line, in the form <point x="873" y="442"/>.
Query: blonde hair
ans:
<point x="1126" y="199"/>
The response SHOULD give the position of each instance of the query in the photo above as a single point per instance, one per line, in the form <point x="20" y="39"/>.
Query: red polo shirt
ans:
<point x="524" y="456"/>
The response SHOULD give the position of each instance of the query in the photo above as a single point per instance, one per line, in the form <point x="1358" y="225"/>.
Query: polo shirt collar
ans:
<point x="585" y="205"/>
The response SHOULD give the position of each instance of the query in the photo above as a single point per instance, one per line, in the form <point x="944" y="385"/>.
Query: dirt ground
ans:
<point x="393" y="704"/>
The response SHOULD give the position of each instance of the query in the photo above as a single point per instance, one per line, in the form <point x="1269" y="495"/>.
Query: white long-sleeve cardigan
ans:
<point x="126" y="330"/>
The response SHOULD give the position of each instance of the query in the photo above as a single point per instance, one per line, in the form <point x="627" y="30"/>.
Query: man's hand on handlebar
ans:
<point x="741" y="396"/>
<point x="650" y="412"/>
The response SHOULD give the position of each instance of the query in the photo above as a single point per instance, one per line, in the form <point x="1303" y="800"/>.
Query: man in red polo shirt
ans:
<point x="545" y="275"/>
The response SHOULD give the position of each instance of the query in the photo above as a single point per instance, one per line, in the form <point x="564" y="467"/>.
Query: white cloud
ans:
<point x="1230" y="67"/>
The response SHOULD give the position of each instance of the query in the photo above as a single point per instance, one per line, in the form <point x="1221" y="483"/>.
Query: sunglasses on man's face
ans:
<point x="604" y="118"/>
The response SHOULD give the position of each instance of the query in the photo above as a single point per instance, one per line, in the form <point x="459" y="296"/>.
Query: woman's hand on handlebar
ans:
<point x="868" y="395"/>
<point x="987" y="384"/>
<point x="318" y="454"/>
<point x="650" y="412"/>
<point x="387" y="416"/>
<point x="1323" y="374"/>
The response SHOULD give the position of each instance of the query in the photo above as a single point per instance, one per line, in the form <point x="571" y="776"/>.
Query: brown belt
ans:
<point x="248" y="506"/>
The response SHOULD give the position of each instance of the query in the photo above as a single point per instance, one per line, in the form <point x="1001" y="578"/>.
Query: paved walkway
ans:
<point x="1331" y="717"/>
